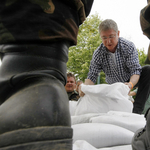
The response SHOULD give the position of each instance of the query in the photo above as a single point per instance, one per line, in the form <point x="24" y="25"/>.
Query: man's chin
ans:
<point x="69" y="91"/>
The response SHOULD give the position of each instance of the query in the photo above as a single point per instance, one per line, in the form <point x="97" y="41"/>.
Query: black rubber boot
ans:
<point x="34" y="110"/>
<point x="147" y="61"/>
<point x="141" y="139"/>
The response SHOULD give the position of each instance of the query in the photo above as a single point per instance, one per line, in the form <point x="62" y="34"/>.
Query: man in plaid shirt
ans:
<point x="118" y="58"/>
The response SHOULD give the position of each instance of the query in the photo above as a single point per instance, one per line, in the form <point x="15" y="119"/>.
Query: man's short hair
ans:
<point x="69" y="74"/>
<point x="107" y="25"/>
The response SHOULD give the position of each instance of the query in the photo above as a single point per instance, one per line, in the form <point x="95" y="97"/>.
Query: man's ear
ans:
<point x="118" y="33"/>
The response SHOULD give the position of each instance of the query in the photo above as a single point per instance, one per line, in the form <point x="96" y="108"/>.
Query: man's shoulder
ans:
<point x="126" y="42"/>
<point x="126" y="46"/>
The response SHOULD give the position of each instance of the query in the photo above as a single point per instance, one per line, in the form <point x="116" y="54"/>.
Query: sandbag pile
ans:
<point x="103" y="118"/>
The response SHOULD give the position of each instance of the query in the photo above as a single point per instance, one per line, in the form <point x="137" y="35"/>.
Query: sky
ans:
<point x="126" y="13"/>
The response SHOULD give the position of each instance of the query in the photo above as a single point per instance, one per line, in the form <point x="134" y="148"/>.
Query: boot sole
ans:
<point x="39" y="138"/>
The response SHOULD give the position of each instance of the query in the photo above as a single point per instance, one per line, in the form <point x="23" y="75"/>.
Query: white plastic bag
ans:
<point x="102" y="98"/>
<point x="72" y="107"/>
<point x="102" y="135"/>
<point x="83" y="145"/>
<point x="129" y="121"/>
<point x="123" y="147"/>
<point x="85" y="118"/>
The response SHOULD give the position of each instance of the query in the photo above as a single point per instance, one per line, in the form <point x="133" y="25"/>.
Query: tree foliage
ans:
<point x="87" y="42"/>
<point x="142" y="56"/>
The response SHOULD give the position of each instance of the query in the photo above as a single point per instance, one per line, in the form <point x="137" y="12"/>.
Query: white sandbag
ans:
<point x="124" y="114"/>
<point x="124" y="147"/>
<point x="102" y="98"/>
<point x="129" y="121"/>
<point x="85" y="118"/>
<point x="72" y="107"/>
<point x="83" y="145"/>
<point x="102" y="135"/>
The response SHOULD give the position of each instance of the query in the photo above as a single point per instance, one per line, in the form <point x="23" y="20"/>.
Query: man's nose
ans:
<point x="108" y="40"/>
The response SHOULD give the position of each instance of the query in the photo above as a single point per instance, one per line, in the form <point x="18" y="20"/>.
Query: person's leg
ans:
<point x="147" y="105"/>
<point x="143" y="90"/>
<point x="145" y="25"/>
<point x="34" y="110"/>
<point x="147" y="61"/>
<point x="141" y="139"/>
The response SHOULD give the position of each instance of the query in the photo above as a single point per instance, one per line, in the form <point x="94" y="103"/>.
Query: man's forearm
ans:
<point x="88" y="82"/>
<point x="134" y="79"/>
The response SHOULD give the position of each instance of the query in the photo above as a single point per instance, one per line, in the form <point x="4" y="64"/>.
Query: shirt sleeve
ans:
<point x="95" y="66"/>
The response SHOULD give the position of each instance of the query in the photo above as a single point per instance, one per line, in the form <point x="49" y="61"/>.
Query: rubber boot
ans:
<point x="34" y="110"/>
<point x="147" y="18"/>
<point x="141" y="139"/>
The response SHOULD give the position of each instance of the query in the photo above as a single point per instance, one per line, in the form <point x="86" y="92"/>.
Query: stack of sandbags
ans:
<point x="103" y="118"/>
<point x="106" y="129"/>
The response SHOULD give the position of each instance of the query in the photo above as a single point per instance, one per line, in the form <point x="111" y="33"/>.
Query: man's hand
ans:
<point x="133" y="81"/>
<point x="87" y="82"/>
<point x="81" y="94"/>
<point x="129" y="85"/>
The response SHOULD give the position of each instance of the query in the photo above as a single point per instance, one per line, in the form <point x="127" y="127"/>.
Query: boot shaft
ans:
<point x="23" y="61"/>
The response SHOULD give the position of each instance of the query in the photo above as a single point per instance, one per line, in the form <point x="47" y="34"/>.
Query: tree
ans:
<point x="87" y="42"/>
<point x="142" y="57"/>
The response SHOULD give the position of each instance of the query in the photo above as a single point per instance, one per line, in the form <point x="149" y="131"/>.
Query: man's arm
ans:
<point x="95" y="68"/>
<point x="88" y="82"/>
<point x="133" y="81"/>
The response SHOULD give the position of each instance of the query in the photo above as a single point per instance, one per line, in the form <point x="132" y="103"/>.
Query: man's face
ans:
<point x="110" y="39"/>
<point x="70" y="85"/>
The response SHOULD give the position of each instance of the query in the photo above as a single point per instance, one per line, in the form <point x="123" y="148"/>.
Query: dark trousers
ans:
<point x="143" y="90"/>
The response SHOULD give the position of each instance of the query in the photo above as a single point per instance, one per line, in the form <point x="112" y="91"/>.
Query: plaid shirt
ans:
<point x="127" y="63"/>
